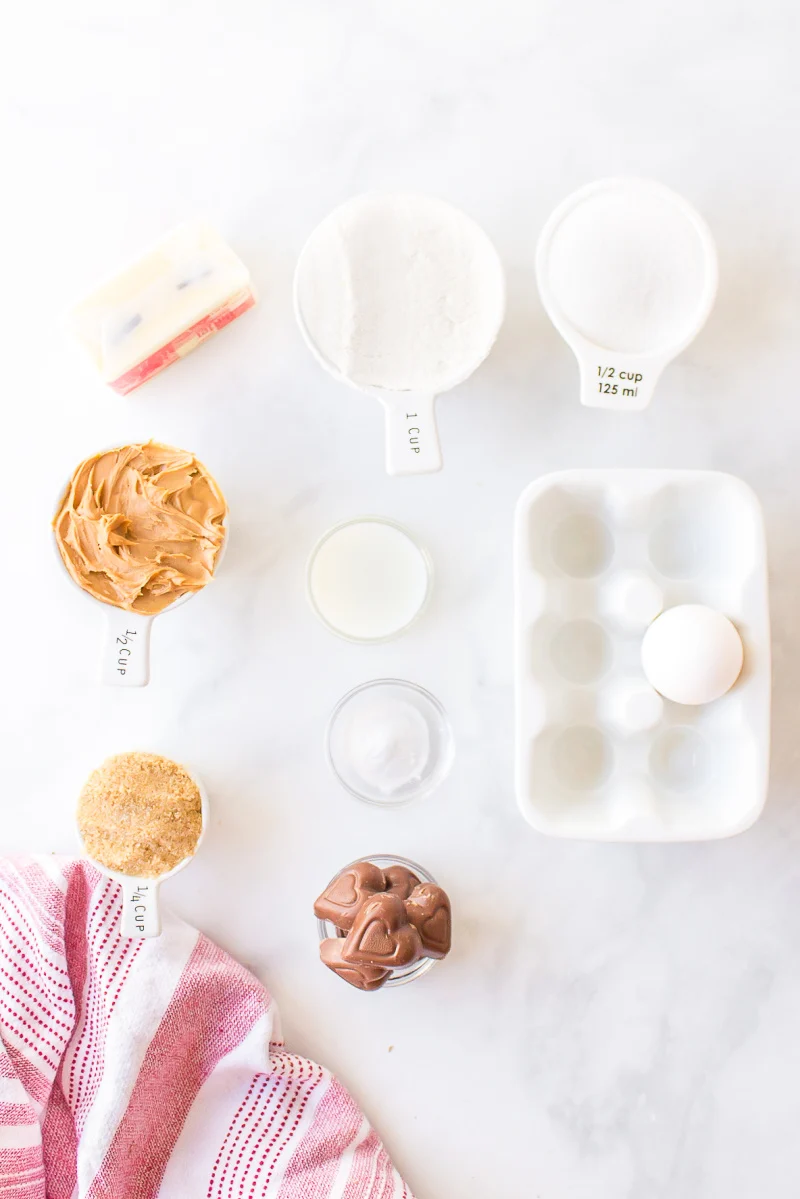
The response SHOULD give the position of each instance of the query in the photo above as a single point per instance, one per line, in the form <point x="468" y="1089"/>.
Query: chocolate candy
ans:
<point x="400" y="881"/>
<point x="360" y="975"/>
<point x="428" y="909"/>
<point x="385" y="920"/>
<point x="343" y="898"/>
<point x="382" y="935"/>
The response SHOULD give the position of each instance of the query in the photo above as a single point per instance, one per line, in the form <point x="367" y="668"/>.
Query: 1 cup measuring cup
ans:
<point x="125" y="660"/>
<point x="141" y="916"/>
<point x="402" y="297"/>
<point x="627" y="272"/>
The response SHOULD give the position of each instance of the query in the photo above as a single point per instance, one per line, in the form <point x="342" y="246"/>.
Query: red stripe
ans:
<point x="22" y="1174"/>
<point x="29" y="1188"/>
<point x="42" y="901"/>
<point x="32" y="1187"/>
<point x="16" y="1032"/>
<point x="77" y="919"/>
<point x="62" y="1004"/>
<point x="59" y="1137"/>
<point x="41" y="965"/>
<point x="21" y="1160"/>
<point x="40" y="933"/>
<point x="90" y="1049"/>
<point x="60" y="1146"/>
<point x="20" y="989"/>
<point x="362" y="1171"/>
<point x="259" y="1129"/>
<point x="384" y="1181"/>
<point x="262" y="1126"/>
<point x="17" y="1113"/>
<point x="60" y="1034"/>
<point x="132" y="951"/>
<point x="253" y="1117"/>
<point x="44" y="896"/>
<point x="14" y="1021"/>
<point x="313" y="1166"/>
<point x="289" y="1065"/>
<point x="35" y="1083"/>
<point x="180" y="346"/>
<point x="124" y="951"/>
<point x="269" y="1153"/>
<point x="213" y="1009"/>
<point x="257" y="1081"/>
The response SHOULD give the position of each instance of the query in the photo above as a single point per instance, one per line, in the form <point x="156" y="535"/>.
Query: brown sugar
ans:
<point x="140" y="814"/>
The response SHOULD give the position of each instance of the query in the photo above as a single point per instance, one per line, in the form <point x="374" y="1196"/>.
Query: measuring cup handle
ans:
<point x="613" y="382"/>
<point x="140" y="914"/>
<point x="126" y="651"/>
<point x="412" y="442"/>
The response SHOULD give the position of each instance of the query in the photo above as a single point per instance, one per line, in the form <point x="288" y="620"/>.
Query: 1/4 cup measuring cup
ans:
<point x="125" y="660"/>
<point x="627" y="272"/>
<point x="402" y="297"/>
<point x="141" y="916"/>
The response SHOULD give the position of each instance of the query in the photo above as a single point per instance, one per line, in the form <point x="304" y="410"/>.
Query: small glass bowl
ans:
<point x="397" y="630"/>
<point x="404" y="974"/>
<point x="441" y="746"/>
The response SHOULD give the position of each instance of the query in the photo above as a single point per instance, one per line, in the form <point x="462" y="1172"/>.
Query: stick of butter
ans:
<point x="189" y="286"/>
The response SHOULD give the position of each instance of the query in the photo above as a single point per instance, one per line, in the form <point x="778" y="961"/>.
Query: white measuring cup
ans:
<point x="627" y="272"/>
<point x="125" y="655"/>
<point x="141" y="916"/>
<point x="366" y="282"/>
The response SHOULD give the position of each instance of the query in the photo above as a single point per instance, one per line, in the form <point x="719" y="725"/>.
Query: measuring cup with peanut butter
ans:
<point x="141" y="528"/>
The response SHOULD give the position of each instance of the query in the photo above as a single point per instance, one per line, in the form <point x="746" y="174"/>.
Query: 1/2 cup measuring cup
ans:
<point x="402" y="297"/>
<point x="627" y="272"/>
<point x="141" y="916"/>
<point x="125" y="660"/>
<point x="125" y="655"/>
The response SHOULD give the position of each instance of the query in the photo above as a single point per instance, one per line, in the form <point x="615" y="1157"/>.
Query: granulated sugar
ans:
<point x="628" y="274"/>
<point x="140" y="814"/>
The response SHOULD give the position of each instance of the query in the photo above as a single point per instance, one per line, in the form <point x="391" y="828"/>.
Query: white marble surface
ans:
<point x="614" y="1022"/>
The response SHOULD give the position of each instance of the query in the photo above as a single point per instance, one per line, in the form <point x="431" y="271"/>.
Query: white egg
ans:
<point x="692" y="654"/>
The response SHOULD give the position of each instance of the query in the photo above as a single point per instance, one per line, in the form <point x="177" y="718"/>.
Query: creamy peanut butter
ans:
<point x="141" y="526"/>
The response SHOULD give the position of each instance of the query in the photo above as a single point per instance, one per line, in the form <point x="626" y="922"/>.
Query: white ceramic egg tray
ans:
<point x="595" y="550"/>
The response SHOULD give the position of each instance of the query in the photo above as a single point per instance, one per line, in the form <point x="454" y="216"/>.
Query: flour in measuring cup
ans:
<point x="628" y="271"/>
<point x="400" y="292"/>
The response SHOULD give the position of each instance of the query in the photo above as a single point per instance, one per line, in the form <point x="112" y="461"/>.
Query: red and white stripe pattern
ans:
<point x="183" y="343"/>
<point x="148" y="1069"/>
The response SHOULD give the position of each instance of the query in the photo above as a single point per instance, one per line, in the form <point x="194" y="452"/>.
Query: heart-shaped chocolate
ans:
<point x="342" y="899"/>
<point x="428" y="909"/>
<point x="382" y="935"/>
<point x="400" y="881"/>
<point x="362" y="976"/>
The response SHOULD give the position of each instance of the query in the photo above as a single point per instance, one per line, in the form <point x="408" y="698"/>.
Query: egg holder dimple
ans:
<point x="599" y="755"/>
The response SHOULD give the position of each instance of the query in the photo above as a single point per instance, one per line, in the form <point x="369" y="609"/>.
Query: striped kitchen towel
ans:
<point x="152" y="1069"/>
